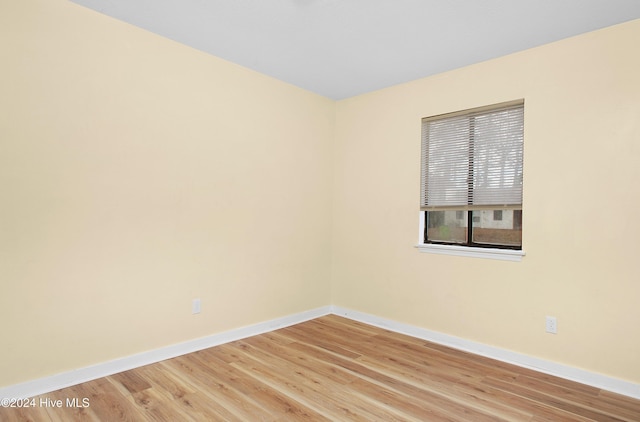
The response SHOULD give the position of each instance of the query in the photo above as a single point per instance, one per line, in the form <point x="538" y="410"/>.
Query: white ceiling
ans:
<point x="342" y="48"/>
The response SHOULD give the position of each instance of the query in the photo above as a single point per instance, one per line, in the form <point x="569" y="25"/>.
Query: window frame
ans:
<point x="468" y="248"/>
<point x="513" y="255"/>
<point x="469" y="241"/>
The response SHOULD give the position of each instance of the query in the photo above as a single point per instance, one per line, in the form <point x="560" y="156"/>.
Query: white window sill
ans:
<point x="487" y="253"/>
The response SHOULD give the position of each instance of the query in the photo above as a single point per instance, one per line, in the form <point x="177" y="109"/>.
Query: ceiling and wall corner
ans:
<point x="342" y="48"/>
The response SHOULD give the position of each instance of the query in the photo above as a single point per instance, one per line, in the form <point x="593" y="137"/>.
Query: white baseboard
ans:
<point x="67" y="379"/>
<point x="548" y="367"/>
<point x="78" y="376"/>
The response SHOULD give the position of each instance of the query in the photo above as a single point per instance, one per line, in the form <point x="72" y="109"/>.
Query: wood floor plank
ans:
<point x="75" y="414"/>
<point x="506" y="398"/>
<point x="304" y="385"/>
<point x="424" y="393"/>
<point x="268" y="399"/>
<point x="300" y="334"/>
<point x="418" y="409"/>
<point x="130" y="380"/>
<point x="164" y="379"/>
<point x="273" y="401"/>
<point x="401" y="363"/>
<point x="552" y="400"/>
<point x="106" y="402"/>
<point x="303" y="361"/>
<point x="619" y="402"/>
<point x="218" y="391"/>
<point x="583" y="400"/>
<point x="446" y="393"/>
<point x="331" y="369"/>
<point x="157" y="407"/>
<point x="34" y="413"/>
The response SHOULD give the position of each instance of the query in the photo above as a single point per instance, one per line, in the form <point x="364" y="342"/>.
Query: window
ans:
<point x="471" y="185"/>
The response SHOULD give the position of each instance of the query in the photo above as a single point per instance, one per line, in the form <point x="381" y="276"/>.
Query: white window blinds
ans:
<point x="473" y="160"/>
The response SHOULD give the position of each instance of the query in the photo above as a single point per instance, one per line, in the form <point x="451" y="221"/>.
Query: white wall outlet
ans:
<point x="552" y="325"/>
<point x="195" y="306"/>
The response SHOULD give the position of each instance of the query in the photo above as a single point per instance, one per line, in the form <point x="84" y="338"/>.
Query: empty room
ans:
<point x="333" y="210"/>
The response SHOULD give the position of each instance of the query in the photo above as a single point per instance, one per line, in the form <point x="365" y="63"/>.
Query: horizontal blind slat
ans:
<point x="473" y="160"/>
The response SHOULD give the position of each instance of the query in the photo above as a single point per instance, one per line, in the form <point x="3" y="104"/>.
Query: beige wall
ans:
<point x="137" y="174"/>
<point x="581" y="197"/>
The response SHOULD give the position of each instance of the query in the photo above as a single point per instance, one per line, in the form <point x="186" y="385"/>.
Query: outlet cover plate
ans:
<point x="552" y="325"/>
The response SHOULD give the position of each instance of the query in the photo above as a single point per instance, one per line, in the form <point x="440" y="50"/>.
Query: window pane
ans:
<point x="491" y="231"/>
<point x="445" y="226"/>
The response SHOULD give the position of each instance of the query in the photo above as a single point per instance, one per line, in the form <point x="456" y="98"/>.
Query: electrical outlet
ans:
<point x="552" y="325"/>
<point x="195" y="306"/>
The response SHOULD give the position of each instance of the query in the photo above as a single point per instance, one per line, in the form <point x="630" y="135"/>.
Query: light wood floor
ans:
<point x="332" y="369"/>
